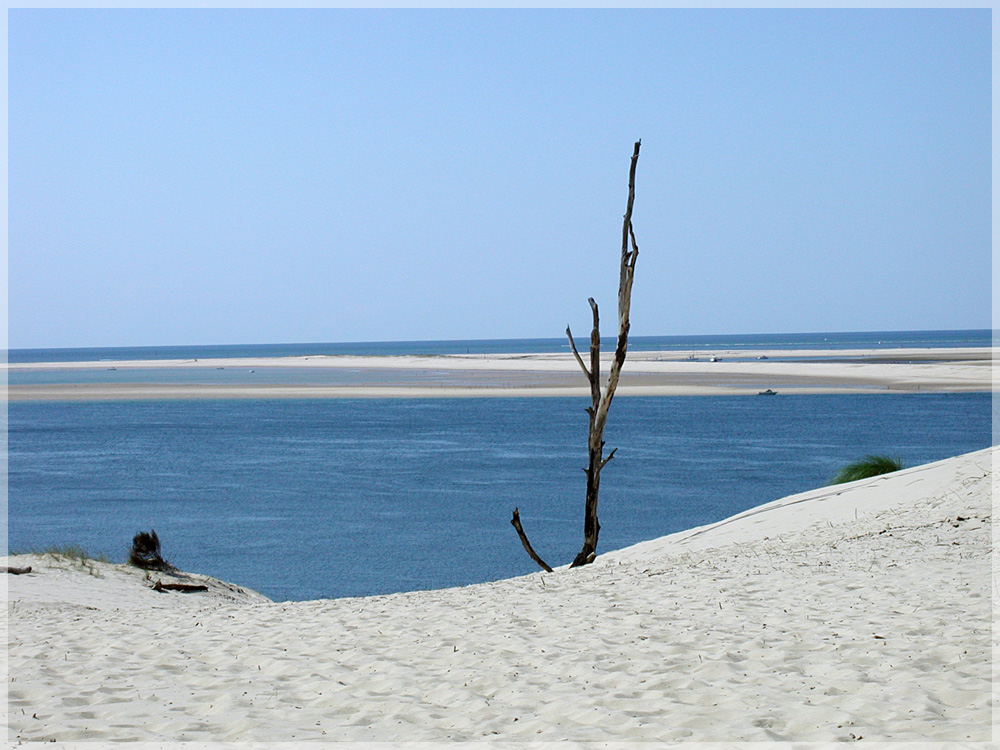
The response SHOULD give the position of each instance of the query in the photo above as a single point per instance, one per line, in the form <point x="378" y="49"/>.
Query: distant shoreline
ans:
<point x="646" y="373"/>
<point x="973" y="337"/>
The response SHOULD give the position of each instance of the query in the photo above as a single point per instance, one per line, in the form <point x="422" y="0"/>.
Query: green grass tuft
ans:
<point x="869" y="466"/>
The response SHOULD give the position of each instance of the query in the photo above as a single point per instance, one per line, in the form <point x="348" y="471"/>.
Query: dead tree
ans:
<point x="600" y="401"/>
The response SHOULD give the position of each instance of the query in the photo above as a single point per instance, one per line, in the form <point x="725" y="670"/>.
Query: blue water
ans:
<point x="304" y="499"/>
<point x="871" y="339"/>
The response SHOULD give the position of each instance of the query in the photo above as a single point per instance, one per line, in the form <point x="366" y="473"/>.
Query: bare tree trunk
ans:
<point x="600" y="402"/>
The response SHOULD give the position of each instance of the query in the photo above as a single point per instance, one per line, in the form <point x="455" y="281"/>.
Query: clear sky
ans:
<point x="268" y="176"/>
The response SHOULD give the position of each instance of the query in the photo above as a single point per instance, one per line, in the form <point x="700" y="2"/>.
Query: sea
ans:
<point x="327" y="498"/>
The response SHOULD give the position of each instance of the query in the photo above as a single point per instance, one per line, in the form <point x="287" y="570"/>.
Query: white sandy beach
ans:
<point x="722" y="372"/>
<point x="859" y="612"/>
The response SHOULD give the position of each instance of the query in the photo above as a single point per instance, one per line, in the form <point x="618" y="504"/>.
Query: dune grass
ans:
<point x="64" y="551"/>
<point x="869" y="466"/>
<point x="69" y="553"/>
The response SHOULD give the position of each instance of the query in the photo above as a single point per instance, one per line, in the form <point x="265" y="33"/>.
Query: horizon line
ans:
<point x="994" y="333"/>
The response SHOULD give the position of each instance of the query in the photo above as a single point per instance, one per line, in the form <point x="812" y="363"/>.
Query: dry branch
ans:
<point x="516" y="523"/>
<point x="579" y="359"/>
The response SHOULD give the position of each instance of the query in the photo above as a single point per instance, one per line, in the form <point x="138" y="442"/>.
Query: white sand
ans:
<point x="857" y="612"/>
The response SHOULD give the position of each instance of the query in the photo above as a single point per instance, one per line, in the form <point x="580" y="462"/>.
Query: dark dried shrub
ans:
<point x="145" y="552"/>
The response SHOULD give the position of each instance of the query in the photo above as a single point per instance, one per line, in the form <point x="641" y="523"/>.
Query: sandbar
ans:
<point x="646" y="373"/>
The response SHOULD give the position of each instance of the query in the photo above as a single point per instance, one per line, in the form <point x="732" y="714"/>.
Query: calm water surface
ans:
<point x="327" y="498"/>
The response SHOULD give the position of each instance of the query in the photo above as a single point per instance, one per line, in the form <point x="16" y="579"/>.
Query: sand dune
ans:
<point x="860" y="612"/>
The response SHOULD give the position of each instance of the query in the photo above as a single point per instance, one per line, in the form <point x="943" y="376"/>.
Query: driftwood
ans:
<point x="185" y="587"/>
<point x="17" y="571"/>
<point x="601" y="401"/>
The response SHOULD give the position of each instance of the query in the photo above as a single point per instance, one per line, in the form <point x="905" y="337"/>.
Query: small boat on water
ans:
<point x="768" y="392"/>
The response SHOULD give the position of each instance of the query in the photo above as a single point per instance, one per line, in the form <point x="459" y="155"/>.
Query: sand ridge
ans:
<point x="860" y="619"/>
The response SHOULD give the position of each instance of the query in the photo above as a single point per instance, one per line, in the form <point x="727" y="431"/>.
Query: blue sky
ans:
<point x="265" y="176"/>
